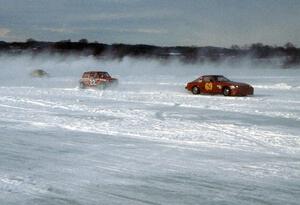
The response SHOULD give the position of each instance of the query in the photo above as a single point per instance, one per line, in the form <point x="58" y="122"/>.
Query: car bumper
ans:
<point x="242" y="91"/>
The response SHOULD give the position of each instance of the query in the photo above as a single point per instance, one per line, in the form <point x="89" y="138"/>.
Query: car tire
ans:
<point x="226" y="91"/>
<point x="195" y="90"/>
<point x="81" y="85"/>
<point x="101" y="86"/>
<point x="114" y="83"/>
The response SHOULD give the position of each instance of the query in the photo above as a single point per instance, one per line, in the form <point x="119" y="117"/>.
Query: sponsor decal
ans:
<point x="208" y="86"/>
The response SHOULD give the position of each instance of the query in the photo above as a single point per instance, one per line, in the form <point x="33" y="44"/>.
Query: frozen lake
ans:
<point x="148" y="141"/>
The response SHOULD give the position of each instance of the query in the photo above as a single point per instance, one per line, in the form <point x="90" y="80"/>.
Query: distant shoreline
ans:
<point x="289" y="55"/>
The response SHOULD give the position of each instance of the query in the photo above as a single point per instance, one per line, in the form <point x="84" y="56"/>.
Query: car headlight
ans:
<point x="234" y="86"/>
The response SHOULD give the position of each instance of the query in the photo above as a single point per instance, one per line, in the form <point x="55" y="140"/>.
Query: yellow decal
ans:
<point x="208" y="86"/>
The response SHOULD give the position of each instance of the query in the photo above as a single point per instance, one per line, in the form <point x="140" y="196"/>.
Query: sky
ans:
<point x="157" y="22"/>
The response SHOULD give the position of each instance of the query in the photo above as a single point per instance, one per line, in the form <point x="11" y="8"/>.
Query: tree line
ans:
<point x="288" y="54"/>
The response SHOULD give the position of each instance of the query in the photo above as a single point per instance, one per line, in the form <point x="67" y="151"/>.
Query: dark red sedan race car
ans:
<point x="97" y="79"/>
<point x="218" y="84"/>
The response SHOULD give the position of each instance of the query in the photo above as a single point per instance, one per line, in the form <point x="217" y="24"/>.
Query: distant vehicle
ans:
<point x="97" y="79"/>
<point x="39" y="73"/>
<point x="218" y="84"/>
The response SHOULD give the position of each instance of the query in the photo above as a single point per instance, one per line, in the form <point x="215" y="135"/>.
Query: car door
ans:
<point x="217" y="89"/>
<point x="207" y="85"/>
<point x="92" y="80"/>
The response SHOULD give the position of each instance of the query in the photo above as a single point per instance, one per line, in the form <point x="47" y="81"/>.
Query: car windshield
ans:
<point x="222" y="79"/>
<point x="106" y="75"/>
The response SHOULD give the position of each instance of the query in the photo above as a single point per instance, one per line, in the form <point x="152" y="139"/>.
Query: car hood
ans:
<point x="113" y="79"/>
<point x="239" y="84"/>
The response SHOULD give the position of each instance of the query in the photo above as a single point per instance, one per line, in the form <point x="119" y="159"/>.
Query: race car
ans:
<point x="96" y="79"/>
<point x="218" y="84"/>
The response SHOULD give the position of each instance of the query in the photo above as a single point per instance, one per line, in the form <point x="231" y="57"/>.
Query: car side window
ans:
<point x="206" y="79"/>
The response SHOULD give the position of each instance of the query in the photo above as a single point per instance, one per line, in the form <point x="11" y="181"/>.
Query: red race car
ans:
<point x="218" y="84"/>
<point x="97" y="79"/>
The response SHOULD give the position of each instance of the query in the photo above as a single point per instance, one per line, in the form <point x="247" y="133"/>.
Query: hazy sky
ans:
<point x="160" y="22"/>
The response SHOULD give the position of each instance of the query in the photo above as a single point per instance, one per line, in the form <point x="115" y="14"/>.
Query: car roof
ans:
<point x="95" y="72"/>
<point x="212" y="76"/>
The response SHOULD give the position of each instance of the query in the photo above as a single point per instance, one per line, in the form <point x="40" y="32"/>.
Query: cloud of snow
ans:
<point x="66" y="71"/>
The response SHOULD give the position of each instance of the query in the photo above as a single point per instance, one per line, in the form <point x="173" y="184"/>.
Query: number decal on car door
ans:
<point x="208" y="86"/>
<point x="92" y="82"/>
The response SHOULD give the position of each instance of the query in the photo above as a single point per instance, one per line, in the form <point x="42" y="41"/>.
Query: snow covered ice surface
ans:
<point x="148" y="141"/>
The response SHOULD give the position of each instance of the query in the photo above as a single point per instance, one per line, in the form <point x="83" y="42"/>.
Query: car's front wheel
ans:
<point x="81" y="85"/>
<point x="226" y="91"/>
<point x="195" y="90"/>
<point x="101" y="86"/>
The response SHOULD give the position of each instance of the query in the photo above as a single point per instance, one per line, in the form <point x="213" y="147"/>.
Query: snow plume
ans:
<point x="66" y="71"/>
<point x="15" y="70"/>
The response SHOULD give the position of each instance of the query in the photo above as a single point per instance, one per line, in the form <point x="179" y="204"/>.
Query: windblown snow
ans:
<point x="148" y="141"/>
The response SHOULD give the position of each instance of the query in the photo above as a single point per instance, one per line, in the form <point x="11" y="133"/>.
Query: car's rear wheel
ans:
<point x="226" y="91"/>
<point x="195" y="90"/>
